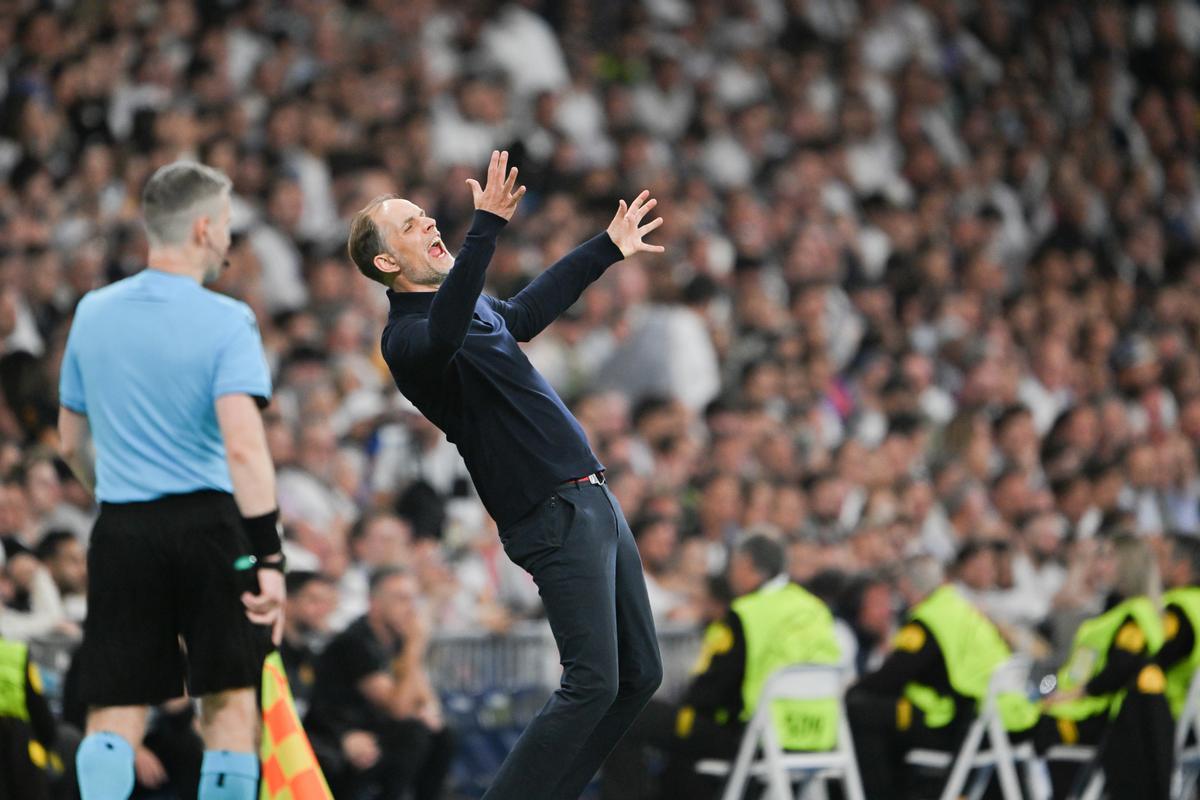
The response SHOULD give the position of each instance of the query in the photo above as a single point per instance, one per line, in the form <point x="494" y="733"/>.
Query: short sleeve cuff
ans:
<point x="261" y="395"/>
<point x="73" y="404"/>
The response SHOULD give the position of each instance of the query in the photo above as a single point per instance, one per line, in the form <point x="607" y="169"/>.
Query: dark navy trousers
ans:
<point x="577" y="546"/>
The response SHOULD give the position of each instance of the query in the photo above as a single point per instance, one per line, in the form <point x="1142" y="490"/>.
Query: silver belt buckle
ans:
<point x="594" y="479"/>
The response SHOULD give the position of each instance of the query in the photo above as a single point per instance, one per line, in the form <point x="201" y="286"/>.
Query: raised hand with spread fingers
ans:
<point x="626" y="230"/>
<point x="499" y="196"/>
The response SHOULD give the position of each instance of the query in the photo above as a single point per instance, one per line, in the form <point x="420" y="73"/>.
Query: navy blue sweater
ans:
<point x="454" y="354"/>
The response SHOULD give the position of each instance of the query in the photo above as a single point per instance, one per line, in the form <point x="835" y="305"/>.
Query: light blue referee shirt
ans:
<point x="146" y="359"/>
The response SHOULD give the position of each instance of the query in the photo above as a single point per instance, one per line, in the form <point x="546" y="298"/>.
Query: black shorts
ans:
<point x="161" y="574"/>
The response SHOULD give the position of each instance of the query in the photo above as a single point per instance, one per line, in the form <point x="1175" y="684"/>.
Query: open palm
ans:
<point x="626" y="230"/>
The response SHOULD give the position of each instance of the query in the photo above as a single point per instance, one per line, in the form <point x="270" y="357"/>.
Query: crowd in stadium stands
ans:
<point x="932" y="282"/>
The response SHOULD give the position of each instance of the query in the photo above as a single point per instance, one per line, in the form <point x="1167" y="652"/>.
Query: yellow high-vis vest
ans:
<point x="1179" y="676"/>
<point x="972" y="648"/>
<point x="14" y="660"/>
<point x="1089" y="654"/>
<point x="785" y="626"/>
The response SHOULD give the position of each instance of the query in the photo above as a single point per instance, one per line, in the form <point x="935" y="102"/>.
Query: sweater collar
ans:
<point x="409" y="302"/>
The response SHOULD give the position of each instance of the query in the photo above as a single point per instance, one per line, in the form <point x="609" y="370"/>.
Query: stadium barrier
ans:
<point x="526" y="658"/>
<point x="491" y="686"/>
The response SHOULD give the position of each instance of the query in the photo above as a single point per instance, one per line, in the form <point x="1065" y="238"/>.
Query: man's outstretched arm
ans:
<point x="553" y="292"/>
<point x="450" y="313"/>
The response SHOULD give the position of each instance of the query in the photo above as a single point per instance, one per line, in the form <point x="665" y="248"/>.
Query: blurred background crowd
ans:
<point x="932" y="280"/>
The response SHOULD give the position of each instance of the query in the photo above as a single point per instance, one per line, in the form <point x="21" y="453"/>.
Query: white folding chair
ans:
<point x="1001" y="756"/>
<point x="779" y="769"/>
<point x="1084" y="755"/>
<point x="1187" y="757"/>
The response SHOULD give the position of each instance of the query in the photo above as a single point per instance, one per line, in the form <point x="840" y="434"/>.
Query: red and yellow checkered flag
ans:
<point x="289" y="767"/>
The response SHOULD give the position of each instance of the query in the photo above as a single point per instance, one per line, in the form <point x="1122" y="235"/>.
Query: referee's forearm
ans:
<point x="83" y="467"/>
<point x="246" y="452"/>
<point x="253" y="478"/>
<point x="75" y="447"/>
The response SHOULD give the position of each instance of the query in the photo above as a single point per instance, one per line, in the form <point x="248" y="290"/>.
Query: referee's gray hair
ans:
<point x="175" y="195"/>
<point x="765" y="553"/>
<point x="924" y="573"/>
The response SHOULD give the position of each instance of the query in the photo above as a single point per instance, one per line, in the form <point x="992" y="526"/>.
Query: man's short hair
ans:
<point x="1186" y="548"/>
<point x="765" y="554"/>
<point x="366" y="241"/>
<point x="176" y="195"/>
<point x="51" y="543"/>
<point x="297" y="580"/>
<point x="924" y="573"/>
<point x="385" y="574"/>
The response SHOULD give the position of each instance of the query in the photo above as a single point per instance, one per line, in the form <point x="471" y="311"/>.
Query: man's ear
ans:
<point x="385" y="263"/>
<point x="200" y="229"/>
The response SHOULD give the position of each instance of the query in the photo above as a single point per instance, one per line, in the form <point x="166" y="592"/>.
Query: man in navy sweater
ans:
<point x="453" y="352"/>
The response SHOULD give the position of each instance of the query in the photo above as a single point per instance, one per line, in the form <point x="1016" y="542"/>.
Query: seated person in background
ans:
<point x="311" y="599"/>
<point x="374" y="719"/>
<point x="30" y="605"/>
<point x="1110" y="691"/>
<point x="657" y="539"/>
<point x="773" y="623"/>
<point x="26" y="728"/>
<point x="927" y="691"/>
<point x="866" y="605"/>
<point x="1180" y="656"/>
<point x="378" y="540"/>
<point x="66" y="560"/>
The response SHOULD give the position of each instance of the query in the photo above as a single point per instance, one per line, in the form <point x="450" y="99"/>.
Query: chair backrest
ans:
<point x="1011" y="676"/>
<point x="803" y="682"/>
<point x="1189" y="717"/>
<point x="797" y="682"/>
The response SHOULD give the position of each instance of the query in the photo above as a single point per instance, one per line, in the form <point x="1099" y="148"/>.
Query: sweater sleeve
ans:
<point x="1126" y="655"/>
<point x="553" y="292"/>
<point x="450" y="313"/>
<point x="915" y="656"/>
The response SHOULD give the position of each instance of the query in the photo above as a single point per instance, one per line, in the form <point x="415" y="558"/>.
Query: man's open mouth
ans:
<point x="437" y="249"/>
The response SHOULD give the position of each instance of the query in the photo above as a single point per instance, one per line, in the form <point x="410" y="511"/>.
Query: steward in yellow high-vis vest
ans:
<point x="771" y="624"/>
<point x="1180" y="653"/>
<point x="930" y="687"/>
<point x="1112" y="693"/>
<point x="26" y="727"/>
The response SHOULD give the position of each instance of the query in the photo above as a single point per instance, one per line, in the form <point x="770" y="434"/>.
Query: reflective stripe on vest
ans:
<point x="971" y="648"/>
<point x="785" y="626"/>
<point x="14" y="662"/>
<point x="1089" y="654"/>
<point x="1179" y="677"/>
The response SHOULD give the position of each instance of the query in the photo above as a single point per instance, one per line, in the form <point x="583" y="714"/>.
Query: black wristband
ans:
<point x="264" y="534"/>
<point x="279" y="564"/>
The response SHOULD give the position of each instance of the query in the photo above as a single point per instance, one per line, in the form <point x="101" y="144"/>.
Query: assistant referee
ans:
<point x="159" y="393"/>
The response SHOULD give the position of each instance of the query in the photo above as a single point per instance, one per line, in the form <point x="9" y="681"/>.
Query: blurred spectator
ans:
<point x="657" y="541"/>
<point x="311" y="599"/>
<point x="64" y="558"/>
<point x="377" y="541"/>
<point x="376" y="724"/>
<point x="32" y="606"/>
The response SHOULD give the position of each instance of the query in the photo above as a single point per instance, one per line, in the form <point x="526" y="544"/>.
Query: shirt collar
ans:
<point x="776" y="583"/>
<point x="162" y="276"/>
<point x="409" y="302"/>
